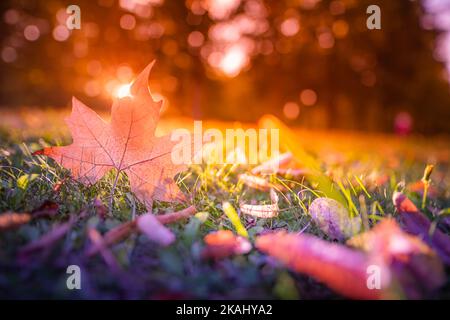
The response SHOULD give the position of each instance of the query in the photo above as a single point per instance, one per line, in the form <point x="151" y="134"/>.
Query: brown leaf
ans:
<point x="13" y="220"/>
<point x="224" y="243"/>
<point x="127" y="143"/>
<point x="415" y="222"/>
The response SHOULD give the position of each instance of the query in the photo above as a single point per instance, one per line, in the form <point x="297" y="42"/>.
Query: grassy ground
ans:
<point x="369" y="168"/>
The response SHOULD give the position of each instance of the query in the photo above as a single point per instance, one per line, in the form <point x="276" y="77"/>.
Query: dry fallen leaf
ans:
<point x="413" y="263"/>
<point x="415" y="222"/>
<point x="255" y="182"/>
<point x="262" y="211"/>
<point x="342" y="269"/>
<point x="12" y="220"/>
<point x="149" y="225"/>
<point x="224" y="243"/>
<point x="47" y="240"/>
<point x="127" y="143"/>
<point x="98" y="241"/>
<point x="419" y="186"/>
<point x="333" y="218"/>
<point x="123" y="231"/>
<point x="388" y="239"/>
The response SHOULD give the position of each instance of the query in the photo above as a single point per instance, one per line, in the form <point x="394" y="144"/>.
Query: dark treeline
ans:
<point x="318" y="55"/>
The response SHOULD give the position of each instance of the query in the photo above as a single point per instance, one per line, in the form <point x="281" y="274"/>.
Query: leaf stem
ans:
<point x="113" y="189"/>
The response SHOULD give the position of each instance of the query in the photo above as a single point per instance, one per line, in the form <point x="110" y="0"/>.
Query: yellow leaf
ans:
<point x="234" y="218"/>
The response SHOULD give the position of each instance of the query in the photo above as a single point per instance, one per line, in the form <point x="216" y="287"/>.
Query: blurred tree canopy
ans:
<point x="311" y="62"/>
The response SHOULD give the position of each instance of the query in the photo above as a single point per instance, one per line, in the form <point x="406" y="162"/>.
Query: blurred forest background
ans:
<point x="313" y="63"/>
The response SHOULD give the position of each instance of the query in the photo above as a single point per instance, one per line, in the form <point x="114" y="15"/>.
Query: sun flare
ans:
<point x="123" y="91"/>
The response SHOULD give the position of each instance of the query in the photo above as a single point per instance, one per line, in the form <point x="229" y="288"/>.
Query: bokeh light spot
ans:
<point x="233" y="61"/>
<point x="403" y="123"/>
<point x="196" y="39"/>
<point x="124" y="73"/>
<point x="326" y="40"/>
<point x="9" y="54"/>
<point x="127" y="22"/>
<point x="61" y="33"/>
<point x="340" y="29"/>
<point x="290" y="27"/>
<point x="291" y="110"/>
<point x="11" y="16"/>
<point x="31" y="32"/>
<point x="92" y="88"/>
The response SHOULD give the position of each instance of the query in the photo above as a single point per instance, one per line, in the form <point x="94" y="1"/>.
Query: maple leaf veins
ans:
<point x="127" y="143"/>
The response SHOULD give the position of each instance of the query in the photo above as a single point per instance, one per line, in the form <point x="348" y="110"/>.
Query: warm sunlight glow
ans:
<point x="123" y="91"/>
<point x="233" y="61"/>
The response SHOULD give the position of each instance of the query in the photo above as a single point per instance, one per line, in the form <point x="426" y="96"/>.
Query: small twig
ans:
<point x="107" y="255"/>
<point x="113" y="236"/>
<point x="425" y="194"/>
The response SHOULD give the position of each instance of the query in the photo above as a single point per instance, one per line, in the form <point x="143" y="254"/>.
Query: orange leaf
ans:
<point x="47" y="209"/>
<point x="272" y="165"/>
<point x="342" y="269"/>
<point x="419" y="187"/>
<point x="224" y="243"/>
<point x="127" y="143"/>
<point x="414" y="264"/>
<point x="176" y="216"/>
<point x="290" y="141"/>
<point x="255" y="182"/>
